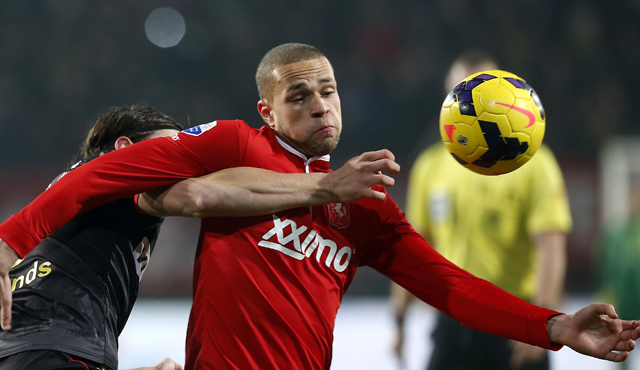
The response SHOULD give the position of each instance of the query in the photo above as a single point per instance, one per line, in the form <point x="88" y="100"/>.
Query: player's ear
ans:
<point x="122" y="142"/>
<point x="264" y="108"/>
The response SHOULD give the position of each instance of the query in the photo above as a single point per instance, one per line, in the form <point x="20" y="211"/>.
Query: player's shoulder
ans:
<point x="542" y="169"/>
<point x="218" y="131"/>
<point x="200" y="129"/>
<point x="243" y="128"/>
<point x="545" y="152"/>
<point x="544" y="158"/>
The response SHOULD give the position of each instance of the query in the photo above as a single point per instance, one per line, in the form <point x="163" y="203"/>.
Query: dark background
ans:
<point x="62" y="62"/>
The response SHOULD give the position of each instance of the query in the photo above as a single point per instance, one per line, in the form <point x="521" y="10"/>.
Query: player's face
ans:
<point x="306" y="106"/>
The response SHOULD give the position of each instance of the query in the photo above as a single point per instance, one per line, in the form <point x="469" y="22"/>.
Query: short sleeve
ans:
<point x="549" y="209"/>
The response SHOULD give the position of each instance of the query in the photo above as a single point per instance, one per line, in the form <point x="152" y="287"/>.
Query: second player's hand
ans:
<point x="354" y="179"/>
<point x="8" y="258"/>
<point x="595" y="331"/>
<point x="166" y="364"/>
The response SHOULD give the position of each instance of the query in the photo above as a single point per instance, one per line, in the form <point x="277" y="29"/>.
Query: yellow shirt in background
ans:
<point x="484" y="224"/>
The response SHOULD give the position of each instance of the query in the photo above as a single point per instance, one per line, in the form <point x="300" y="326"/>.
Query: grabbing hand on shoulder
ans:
<point x="595" y="331"/>
<point x="8" y="258"/>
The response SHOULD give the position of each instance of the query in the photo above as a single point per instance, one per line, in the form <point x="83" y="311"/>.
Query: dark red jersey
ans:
<point x="267" y="289"/>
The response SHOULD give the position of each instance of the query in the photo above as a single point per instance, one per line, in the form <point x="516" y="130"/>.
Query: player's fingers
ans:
<point x="616" y="357"/>
<point x="5" y="301"/>
<point x="383" y="180"/>
<point x="625" y="345"/>
<point x="374" y="194"/>
<point x="394" y="168"/>
<point x="386" y="153"/>
<point x="629" y="324"/>
<point x="607" y="309"/>
<point x="169" y="364"/>
<point x="378" y="154"/>
<point x="383" y="165"/>
<point x="630" y="334"/>
<point x="602" y="309"/>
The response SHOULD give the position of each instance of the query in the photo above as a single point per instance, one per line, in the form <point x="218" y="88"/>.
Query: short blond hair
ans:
<point x="281" y="55"/>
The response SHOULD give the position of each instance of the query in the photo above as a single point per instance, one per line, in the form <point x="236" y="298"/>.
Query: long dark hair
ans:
<point x="134" y="121"/>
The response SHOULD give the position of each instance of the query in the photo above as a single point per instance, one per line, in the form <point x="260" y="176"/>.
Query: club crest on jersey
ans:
<point x="339" y="214"/>
<point x="201" y="129"/>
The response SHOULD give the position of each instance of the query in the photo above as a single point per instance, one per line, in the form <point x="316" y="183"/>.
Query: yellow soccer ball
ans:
<point x="492" y="122"/>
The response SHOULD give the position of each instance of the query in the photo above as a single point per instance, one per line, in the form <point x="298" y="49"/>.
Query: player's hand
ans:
<point x="595" y="331"/>
<point x="354" y="180"/>
<point x="166" y="364"/>
<point x="522" y="354"/>
<point x="8" y="258"/>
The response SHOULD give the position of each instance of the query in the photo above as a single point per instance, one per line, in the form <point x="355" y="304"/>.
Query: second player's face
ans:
<point x="306" y="106"/>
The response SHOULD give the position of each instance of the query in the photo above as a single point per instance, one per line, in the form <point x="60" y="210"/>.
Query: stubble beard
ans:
<point x="312" y="147"/>
<point x="318" y="148"/>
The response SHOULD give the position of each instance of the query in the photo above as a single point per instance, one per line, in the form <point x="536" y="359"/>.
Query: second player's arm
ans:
<point x="253" y="191"/>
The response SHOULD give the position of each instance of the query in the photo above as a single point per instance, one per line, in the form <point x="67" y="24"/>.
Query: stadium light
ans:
<point x="165" y="27"/>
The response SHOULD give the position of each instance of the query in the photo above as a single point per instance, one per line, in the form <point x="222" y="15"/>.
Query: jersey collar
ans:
<point x="297" y="153"/>
<point x="313" y="164"/>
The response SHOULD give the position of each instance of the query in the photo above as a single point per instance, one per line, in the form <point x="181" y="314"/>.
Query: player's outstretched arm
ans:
<point x="166" y="364"/>
<point x="254" y="191"/>
<point x="596" y="331"/>
<point x="8" y="258"/>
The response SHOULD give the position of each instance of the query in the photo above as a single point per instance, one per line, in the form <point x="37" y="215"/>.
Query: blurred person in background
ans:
<point x="75" y="291"/>
<point x="509" y="229"/>
<point x="618" y="259"/>
<point x="262" y="300"/>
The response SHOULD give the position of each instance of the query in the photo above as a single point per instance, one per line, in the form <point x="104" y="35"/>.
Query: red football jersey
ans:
<point x="267" y="289"/>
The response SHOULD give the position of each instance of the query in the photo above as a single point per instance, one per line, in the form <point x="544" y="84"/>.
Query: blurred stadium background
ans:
<point x="64" y="61"/>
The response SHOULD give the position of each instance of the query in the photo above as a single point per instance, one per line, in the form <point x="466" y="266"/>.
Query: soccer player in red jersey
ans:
<point x="73" y="293"/>
<point x="267" y="288"/>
